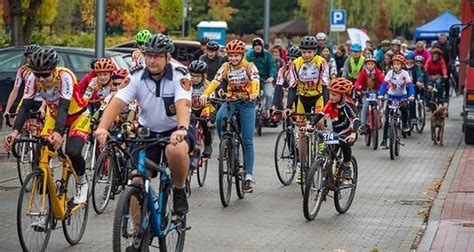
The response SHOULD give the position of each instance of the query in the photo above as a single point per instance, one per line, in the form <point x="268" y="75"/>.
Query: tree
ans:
<point x="66" y="18"/>
<point x="170" y="13"/>
<point x="219" y="10"/>
<point x="382" y="28"/>
<point x="24" y="16"/>
<point x="424" y="12"/>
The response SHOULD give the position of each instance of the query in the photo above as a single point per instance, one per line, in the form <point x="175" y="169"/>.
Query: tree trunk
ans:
<point x="16" y="22"/>
<point x="30" y="21"/>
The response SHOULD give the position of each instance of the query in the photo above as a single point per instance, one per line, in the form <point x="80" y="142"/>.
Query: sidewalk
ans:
<point x="456" y="226"/>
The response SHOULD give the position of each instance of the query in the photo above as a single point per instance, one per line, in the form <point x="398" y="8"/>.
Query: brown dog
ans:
<point x="438" y="118"/>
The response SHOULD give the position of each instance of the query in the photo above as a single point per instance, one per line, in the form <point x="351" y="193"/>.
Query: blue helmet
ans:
<point x="356" y="47"/>
<point x="369" y="58"/>
<point x="409" y="55"/>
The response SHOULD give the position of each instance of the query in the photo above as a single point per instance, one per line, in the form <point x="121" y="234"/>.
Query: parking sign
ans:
<point x="338" y="20"/>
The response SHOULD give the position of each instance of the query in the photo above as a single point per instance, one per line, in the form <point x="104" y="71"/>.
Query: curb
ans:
<point x="436" y="209"/>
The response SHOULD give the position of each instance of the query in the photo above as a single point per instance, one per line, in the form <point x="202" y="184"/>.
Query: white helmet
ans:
<point x="321" y="36"/>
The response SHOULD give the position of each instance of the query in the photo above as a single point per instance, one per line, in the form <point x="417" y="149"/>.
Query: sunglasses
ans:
<point x="43" y="75"/>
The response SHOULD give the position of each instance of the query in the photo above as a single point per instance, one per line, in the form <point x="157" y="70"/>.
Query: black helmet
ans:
<point x="197" y="66"/>
<point x="204" y="41"/>
<point x="44" y="59"/>
<point x="30" y="49"/>
<point x="293" y="53"/>
<point x="159" y="43"/>
<point x="257" y="41"/>
<point x="212" y="46"/>
<point x="308" y="42"/>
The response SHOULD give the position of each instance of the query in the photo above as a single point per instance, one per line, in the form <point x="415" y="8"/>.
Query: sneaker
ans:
<point x="180" y="201"/>
<point x="414" y="121"/>
<point x="39" y="224"/>
<point x="346" y="171"/>
<point x="363" y="129"/>
<point x="405" y="127"/>
<point x="207" y="151"/>
<point x="248" y="186"/>
<point x="383" y="144"/>
<point x="81" y="193"/>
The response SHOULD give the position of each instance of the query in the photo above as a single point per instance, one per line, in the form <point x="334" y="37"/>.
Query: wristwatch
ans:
<point x="182" y="127"/>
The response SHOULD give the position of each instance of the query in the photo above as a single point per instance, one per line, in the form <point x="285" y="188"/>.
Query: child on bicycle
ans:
<point x="399" y="86"/>
<point x="281" y="82"/>
<point x="341" y="110"/>
<point x="198" y="70"/>
<point x="369" y="80"/>
<point x="421" y="80"/>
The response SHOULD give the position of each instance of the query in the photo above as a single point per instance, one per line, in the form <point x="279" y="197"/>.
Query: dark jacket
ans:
<point x="264" y="63"/>
<point x="212" y="65"/>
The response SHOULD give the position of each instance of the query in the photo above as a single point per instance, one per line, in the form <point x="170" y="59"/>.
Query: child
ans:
<point x="342" y="112"/>
<point x="399" y="85"/>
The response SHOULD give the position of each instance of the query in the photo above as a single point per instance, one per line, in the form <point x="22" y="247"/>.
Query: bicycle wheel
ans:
<point x="285" y="157"/>
<point x="33" y="225"/>
<point x="391" y="139"/>
<point x="202" y="172"/>
<point x="239" y="165"/>
<point x="397" y="140"/>
<point x="344" y="193"/>
<point x="259" y="123"/>
<point x="375" y="129"/>
<point x="102" y="181"/>
<point x="312" y="198"/>
<point x="368" y="138"/>
<point x="127" y="234"/>
<point x="188" y="183"/>
<point x="175" y="232"/>
<point x="25" y="162"/>
<point x="421" y="115"/>
<point x="75" y="222"/>
<point x="225" y="168"/>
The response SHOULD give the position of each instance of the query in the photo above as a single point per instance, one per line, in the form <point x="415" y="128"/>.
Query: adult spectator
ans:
<point x="395" y="46"/>
<point x="201" y="50"/>
<point x="384" y="47"/>
<point x="340" y="57"/>
<point x="278" y="44"/>
<point x="445" y="47"/>
<point x="421" y="50"/>
<point x="279" y="62"/>
<point x="354" y="63"/>
<point x="321" y="38"/>
<point x="212" y="59"/>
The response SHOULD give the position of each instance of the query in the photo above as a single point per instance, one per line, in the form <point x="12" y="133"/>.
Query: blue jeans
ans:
<point x="365" y="111"/>
<point x="439" y="85"/>
<point x="247" y="125"/>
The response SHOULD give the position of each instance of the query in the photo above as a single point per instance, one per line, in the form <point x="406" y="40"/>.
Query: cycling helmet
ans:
<point x="419" y="58"/>
<point x="30" y="49"/>
<point x="400" y="58"/>
<point x="370" y="58"/>
<point x="340" y="86"/>
<point x="308" y="42"/>
<point x="356" y="47"/>
<point x="119" y="75"/>
<point x="93" y="63"/>
<point x="385" y="42"/>
<point x="104" y="65"/>
<point x="235" y="46"/>
<point x="409" y="55"/>
<point x="321" y="36"/>
<point x="197" y="66"/>
<point x="293" y="53"/>
<point x="159" y="43"/>
<point x="204" y="41"/>
<point x="396" y="42"/>
<point x="142" y="36"/>
<point x="44" y="59"/>
<point x="389" y="53"/>
<point x="212" y="46"/>
<point x="257" y="41"/>
<point x="436" y="51"/>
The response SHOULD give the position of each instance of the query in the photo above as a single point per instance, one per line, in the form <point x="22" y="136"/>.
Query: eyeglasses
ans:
<point x="43" y="75"/>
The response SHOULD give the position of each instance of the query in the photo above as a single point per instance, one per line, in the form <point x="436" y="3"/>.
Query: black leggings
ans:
<point x="74" y="151"/>
<point x="404" y="112"/>
<point x="205" y="129"/>
<point x="346" y="151"/>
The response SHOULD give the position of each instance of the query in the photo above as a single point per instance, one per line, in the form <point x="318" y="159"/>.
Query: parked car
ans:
<point x="77" y="59"/>
<point x="183" y="49"/>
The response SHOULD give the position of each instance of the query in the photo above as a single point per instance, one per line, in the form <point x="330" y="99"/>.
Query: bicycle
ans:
<point x="91" y="150"/>
<point x="32" y="127"/>
<point x="394" y="130"/>
<point x="231" y="154"/>
<point x="286" y="151"/>
<point x="141" y="215"/>
<point x="374" y="121"/>
<point x="420" y="115"/>
<point x="261" y="121"/>
<point x="197" y="163"/>
<point x="325" y="176"/>
<point x="43" y="201"/>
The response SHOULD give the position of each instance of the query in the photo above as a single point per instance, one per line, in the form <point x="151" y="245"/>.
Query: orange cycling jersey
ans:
<point x="96" y="92"/>
<point x="242" y="80"/>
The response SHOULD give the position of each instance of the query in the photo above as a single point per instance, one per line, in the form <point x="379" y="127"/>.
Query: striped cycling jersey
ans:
<point x="308" y="77"/>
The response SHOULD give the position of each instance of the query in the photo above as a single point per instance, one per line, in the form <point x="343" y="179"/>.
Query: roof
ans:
<point x="68" y="49"/>
<point x="212" y="24"/>
<point x="432" y="29"/>
<point x="292" y="27"/>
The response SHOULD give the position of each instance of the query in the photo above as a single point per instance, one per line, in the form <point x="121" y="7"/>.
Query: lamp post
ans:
<point x="100" y="29"/>
<point x="266" y="21"/>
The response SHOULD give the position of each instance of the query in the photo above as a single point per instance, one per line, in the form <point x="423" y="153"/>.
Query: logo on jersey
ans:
<point x="186" y="84"/>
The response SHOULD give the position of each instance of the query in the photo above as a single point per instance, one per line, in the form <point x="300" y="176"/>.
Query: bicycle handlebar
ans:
<point x="36" y="115"/>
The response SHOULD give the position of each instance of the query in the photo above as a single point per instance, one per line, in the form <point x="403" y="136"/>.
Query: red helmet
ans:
<point x="399" y="58"/>
<point x="119" y="75"/>
<point x="235" y="46"/>
<point x="340" y="86"/>
<point x="104" y="65"/>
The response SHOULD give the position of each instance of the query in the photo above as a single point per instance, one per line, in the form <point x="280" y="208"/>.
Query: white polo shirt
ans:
<point x="157" y="109"/>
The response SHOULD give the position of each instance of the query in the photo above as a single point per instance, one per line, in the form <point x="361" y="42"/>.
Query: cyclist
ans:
<point x="84" y="82"/>
<point x="370" y="79"/>
<point x="306" y="81"/>
<point x="421" y="79"/>
<point x="396" y="46"/>
<point x="278" y="45"/>
<point x="421" y="50"/>
<point x="341" y="110"/>
<point x="164" y="93"/>
<point x="354" y="63"/>
<point x="198" y="69"/>
<point x="212" y="59"/>
<point x="201" y="50"/>
<point x="137" y="56"/>
<point x="21" y="75"/>
<point x="266" y="70"/>
<point x="436" y="70"/>
<point x="58" y="87"/>
<point x="242" y="84"/>
<point x="384" y="47"/>
<point x="281" y="82"/>
<point x="321" y="38"/>
<point x="398" y="85"/>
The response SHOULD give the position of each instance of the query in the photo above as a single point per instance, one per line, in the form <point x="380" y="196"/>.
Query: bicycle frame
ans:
<point x="373" y="104"/>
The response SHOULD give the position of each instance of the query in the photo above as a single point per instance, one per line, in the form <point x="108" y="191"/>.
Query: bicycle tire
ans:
<point x="225" y="168"/>
<point x="202" y="172"/>
<point x="421" y="121"/>
<point x="122" y="213"/>
<point x="166" y="243"/>
<point x="259" y="124"/>
<point x="375" y="129"/>
<point x="105" y="156"/>
<point x="367" y="138"/>
<point x="314" y="183"/>
<point x="340" y="208"/>
<point x="397" y="140"/>
<point x="24" y="169"/>
<point x="48" y="221"/>
<point x="391" y="139"/>
<point x="239" y="165"/>
<point x="84" y="211"/>
<point x="188" y="183"/>
<point x="285" y="180"/>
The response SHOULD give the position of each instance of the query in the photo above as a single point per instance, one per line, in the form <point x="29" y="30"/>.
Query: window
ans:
<point x="10" y="61"/>
<point x="80" y="63"/>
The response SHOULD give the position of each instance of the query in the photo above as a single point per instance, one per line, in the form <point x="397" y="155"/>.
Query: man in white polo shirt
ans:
<point x="163" y="91"/>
